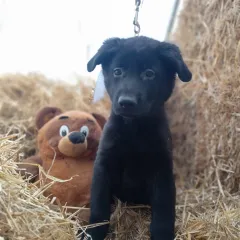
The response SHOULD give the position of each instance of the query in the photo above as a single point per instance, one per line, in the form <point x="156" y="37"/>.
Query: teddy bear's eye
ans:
<point x="84" y="130"/>
<point x="63" y="130"/>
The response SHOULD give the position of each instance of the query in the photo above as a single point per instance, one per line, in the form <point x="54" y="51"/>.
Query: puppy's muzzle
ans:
<point x="127" y="103"/>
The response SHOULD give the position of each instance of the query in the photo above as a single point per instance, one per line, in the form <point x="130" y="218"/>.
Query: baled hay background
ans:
<point x="205" y="122"/>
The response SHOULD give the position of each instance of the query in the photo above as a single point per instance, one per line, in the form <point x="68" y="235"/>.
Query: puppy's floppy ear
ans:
<point x="171" y="53"/>
<point x="105" y="53"/>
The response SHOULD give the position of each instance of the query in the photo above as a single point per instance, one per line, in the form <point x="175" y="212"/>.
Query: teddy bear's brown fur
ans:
<point x="67" y="144"/>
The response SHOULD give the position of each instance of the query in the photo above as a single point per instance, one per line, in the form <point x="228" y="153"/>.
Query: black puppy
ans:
<point x="134" y="159"/>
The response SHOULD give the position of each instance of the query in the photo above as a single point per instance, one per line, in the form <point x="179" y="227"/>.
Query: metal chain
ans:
<point x="135" y="20"/>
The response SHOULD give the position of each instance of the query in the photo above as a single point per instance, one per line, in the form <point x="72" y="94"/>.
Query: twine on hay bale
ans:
<point x="205" y="121"/>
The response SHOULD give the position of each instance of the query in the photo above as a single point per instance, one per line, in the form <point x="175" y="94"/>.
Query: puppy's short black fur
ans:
<point x="134" y="160"/>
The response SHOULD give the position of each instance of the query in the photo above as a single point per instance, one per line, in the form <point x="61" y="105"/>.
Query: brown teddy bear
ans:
<point x="67" y="144"/>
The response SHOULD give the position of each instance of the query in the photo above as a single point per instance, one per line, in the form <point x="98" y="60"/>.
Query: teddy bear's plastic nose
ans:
<point x="77" y="137"/>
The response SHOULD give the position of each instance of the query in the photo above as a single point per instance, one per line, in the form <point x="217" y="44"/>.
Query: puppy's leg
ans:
<point x="163" y="207"/>
<point x="105" y="174"/>
<point x="100" y="202"/>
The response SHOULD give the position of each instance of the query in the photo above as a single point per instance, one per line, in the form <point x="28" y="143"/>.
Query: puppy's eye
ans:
<point x="149" y="73"/>
<point x="117" y="72"/>
<point x="84" y="130"/>
<point x="64" y="130"/>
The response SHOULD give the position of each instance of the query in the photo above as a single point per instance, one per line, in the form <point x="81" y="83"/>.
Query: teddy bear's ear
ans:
<point x="46" y="114"/>
<point x="100" y="119"/>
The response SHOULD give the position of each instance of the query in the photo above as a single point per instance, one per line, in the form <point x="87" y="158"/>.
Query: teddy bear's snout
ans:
<point x="76" y="137"/>
<point x="74" y="144"/>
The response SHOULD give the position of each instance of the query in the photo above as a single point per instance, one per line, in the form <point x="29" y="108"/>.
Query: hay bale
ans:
<point x="205" y="112"/>
<point x="205" y="121"/>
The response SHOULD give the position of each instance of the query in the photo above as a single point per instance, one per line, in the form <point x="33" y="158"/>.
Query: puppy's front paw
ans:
<point x="84" y="236"/>
<point x="93" y="233"/>
<point x="90" y="234"/>
<point x="81" y="235"/>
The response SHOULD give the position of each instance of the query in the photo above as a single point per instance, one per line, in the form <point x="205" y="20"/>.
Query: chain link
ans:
<point x="136" y="24"/>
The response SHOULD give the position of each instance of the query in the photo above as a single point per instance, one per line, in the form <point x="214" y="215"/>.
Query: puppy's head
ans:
<point x="139" y="73"/>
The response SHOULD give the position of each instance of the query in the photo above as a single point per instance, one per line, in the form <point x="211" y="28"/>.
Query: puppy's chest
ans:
<point x="141" y="150"/>
<point x="135" y="180"/>
<point x="139" y="158"/>
<point x="138" y="162"/>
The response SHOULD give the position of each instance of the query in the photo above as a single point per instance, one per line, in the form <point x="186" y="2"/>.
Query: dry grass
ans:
<point x="205" y="122"/>
<point x="24" y="212"/>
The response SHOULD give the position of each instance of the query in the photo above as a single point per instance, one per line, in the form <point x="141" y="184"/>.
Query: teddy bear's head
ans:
<point x="73" y="134"/>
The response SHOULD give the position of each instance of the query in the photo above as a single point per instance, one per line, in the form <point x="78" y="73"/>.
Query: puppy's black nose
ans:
<point x="127" y="102"/>
<point x="76" y="137"/>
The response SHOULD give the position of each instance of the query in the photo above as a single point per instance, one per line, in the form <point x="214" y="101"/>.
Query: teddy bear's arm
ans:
<point x="28" y="167"/>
